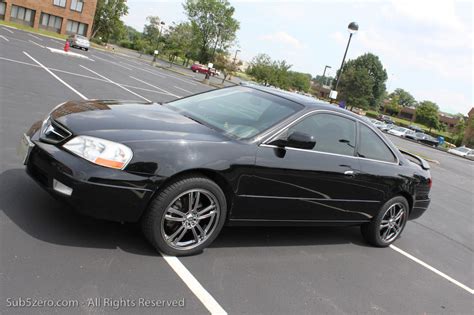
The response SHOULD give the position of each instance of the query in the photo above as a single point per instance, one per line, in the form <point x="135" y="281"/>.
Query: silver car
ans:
<point x="79" y="41"/>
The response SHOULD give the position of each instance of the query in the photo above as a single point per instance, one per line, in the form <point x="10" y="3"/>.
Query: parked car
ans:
<point x="461" y="151"/>
<point x="399" y="131"/>
<point x="386" y="119"/>
<point x="411" y="134"/>
<point x="78" y="41"/>
<point x="387" y="127"/>
<point x="239" y="155"/>
<point x="470" y="156"/>
<point x="415" y="128"/>
<point x="378" y="124"/>
<point x="203" y="69"/>
<point x="426" y="139"/>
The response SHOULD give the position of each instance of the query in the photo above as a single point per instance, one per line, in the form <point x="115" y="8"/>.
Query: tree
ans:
<point x="270" y="72"/>
<point x="107" y="18"/>
<point x="225" y="64"/>
<point x="300" y="81"/>
<point x="326" y="80"/>
<point x="427" y="113"/>
<point x="356" y="87"/>
<point x="213" y="25"/>
<point x="405" y="99"/>
<point x="393" y="107"/>
<point x="152" y="31"/>
<point x="179" y="42"/>
<point x="374" y="76"/>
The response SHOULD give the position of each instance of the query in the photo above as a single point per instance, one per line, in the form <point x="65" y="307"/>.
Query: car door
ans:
<point x="379" y="169"/>
<point x="308" y="185"/>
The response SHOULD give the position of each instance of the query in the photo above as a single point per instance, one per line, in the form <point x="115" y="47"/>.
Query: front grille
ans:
<point x="53" y="132"/>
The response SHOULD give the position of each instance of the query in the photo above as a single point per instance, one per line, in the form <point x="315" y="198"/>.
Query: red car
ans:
<point x="203" y="69"/>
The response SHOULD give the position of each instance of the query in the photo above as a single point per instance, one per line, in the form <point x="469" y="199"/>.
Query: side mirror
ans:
<point x="298" y="140"/>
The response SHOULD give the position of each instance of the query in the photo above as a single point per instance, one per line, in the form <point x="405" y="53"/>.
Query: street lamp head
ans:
<point x="162" y="23"/>
<point x="353" y="27"/>
<point x="220" y="25"/>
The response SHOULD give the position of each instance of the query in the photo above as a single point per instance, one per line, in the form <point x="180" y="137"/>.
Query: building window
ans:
<point x="74" y="27"/>
<point x="3" y="6"/>
<point x="22" y="15"/>
<point x="76" y="5"/>
<point x="60" y="3"/>
<point x="51" y="22"/>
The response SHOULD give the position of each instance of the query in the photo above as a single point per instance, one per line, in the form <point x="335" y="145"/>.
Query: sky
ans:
<point x="425" y="46"/>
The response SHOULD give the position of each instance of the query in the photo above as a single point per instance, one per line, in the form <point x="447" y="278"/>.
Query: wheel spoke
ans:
<point x="180" y="236"/>
<point x="196" y="236"/>
<point x="172" y="236"/>
<point x="201" y="231"/>
<point x="196" y="201"/>
<point x="205" y="216"/>
<point x="176" y="211"/>
<point x="399" y="215"/>
<point x="175" y="219"/>
<point x="385" y="234"/>
<point x="208" y="208"/>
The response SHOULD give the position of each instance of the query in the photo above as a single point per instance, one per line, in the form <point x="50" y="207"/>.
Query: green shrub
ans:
<point x="371" y="114"/>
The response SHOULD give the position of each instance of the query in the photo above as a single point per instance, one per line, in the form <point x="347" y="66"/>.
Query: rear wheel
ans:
<point x="186" y="216"/>
<point x="387" y="226"/>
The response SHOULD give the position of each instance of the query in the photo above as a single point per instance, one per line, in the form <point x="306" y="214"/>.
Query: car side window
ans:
<point x="372" y="147"/>
<point x="332" y="133"/>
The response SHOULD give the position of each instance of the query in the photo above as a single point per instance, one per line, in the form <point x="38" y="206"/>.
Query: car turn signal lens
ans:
<point x="100" y="151"/>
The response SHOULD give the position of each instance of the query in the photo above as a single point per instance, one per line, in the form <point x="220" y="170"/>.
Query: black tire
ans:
<point x="372" y="231"/>
<point x="87" y="49"/>
<point x="153" y="220"/>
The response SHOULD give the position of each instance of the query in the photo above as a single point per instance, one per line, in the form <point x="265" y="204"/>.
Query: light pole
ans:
<point x="352" y="28"/>
<point x="219" y="26"/>
<point x="159" y="36"/>
<point x="235" y="56"/>
<point x="324" y="73"/>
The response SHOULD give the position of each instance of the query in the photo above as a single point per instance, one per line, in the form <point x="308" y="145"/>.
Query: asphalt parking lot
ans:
<point x="50" y="252"/>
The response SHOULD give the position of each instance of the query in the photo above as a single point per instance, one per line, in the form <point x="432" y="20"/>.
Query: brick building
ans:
<point x="61" y="16"/>
<point x="469" y="132"/>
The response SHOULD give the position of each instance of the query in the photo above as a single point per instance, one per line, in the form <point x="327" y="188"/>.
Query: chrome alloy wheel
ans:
<point x="190" y="219"/>
<point x="392" y="222"/>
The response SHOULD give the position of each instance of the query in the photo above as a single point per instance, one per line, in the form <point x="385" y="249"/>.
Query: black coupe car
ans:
<point x="238" y="155"/>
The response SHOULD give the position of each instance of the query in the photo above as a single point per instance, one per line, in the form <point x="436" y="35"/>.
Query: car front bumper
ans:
<point x="97" y="191"/>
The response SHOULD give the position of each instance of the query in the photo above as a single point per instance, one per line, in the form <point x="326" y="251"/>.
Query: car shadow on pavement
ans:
<point x="41" y="216"/>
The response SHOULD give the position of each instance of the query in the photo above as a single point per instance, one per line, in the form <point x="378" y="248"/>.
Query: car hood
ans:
<point x="128" y="121"/>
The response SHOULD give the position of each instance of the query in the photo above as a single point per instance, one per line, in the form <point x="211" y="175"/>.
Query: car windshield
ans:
<point x="239" y="112"/>
<point x="463" y="149"/>
<point x="81" y="37"/>
<point x="401" y="129"/>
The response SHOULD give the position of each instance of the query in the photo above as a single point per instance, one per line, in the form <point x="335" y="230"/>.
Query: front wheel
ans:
<point x="389" y="223"/>
<point x="186" y="216"/>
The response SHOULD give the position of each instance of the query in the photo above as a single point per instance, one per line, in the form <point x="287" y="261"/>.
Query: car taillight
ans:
<point x="430" y="182"/>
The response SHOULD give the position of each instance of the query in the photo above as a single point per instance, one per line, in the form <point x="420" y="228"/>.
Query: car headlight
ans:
<point x="100" y="151"/>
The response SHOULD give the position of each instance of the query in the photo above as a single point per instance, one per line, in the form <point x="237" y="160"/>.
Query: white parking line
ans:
<point x="55" y="76"/>
<point x="35" y="43"/>
<point x="115" y="83"/>
<point x="112" y="62"/>
<point x="206" y="299"/>
<point x="6" y="29"/>
<point x="40" y="39"/>
<point x="433" y="269"/>
<point x="148" y="71"/>
<point x="158" y="88"/>
<point x="82" y="76"/>
<point x="1" y="36"/>
<point x="177" y="87"/>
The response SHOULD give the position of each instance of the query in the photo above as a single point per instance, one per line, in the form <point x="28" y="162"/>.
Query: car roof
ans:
<point x="308" y="102"/>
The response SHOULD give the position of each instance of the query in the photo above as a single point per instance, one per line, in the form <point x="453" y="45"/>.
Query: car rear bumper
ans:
<point x="96" y="191"/>
<point x="419" y="207"/>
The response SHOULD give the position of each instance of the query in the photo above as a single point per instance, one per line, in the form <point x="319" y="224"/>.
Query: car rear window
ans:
<point x="371" y="146"/>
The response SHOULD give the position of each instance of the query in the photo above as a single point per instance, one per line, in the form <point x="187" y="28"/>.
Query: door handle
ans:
<point x="349" y="173"/>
